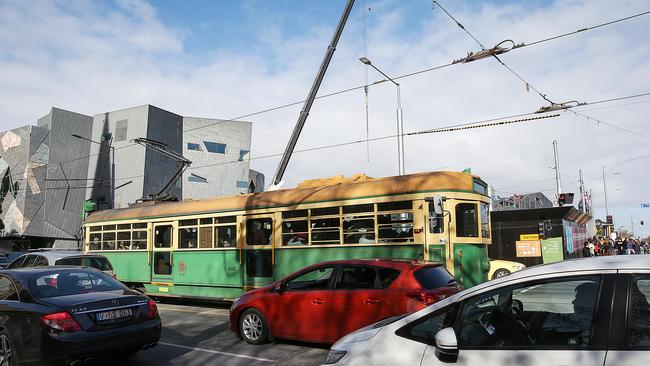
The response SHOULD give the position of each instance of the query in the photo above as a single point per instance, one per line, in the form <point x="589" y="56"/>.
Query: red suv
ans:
<point x="323" y="302"/>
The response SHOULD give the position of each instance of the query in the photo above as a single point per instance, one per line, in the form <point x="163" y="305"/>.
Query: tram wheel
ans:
<point x="253" y="327"/>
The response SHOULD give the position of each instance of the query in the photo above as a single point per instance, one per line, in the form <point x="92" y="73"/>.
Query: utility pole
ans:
<point x="605" y="192"/>
<point x="557" y="169"/>
<point x="582" y="193"/>
<point x="632" y="222"/>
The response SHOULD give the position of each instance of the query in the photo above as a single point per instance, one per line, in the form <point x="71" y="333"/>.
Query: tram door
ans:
<point x="162" y="261"/>
<point x="258" y="250"/>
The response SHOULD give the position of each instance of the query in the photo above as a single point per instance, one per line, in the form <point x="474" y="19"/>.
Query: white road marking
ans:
<point x="188" y="310"/>
<point x="216" y="352"/>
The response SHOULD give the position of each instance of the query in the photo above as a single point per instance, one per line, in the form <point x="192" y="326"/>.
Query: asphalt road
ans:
<point x="199" y="334"/>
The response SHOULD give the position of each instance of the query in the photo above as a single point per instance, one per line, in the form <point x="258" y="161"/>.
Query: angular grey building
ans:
<point x="44" y="178"/>
<point x="219" y="151"/>
<point x="52" y="170"/>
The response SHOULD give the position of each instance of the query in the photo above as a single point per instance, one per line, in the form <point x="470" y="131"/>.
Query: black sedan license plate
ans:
<point x="114" y="314"/>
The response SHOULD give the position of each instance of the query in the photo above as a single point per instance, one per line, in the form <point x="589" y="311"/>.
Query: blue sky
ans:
<point x="226" y="58"/>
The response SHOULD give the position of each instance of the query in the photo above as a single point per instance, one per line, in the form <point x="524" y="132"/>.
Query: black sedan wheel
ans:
<point x="500" y="273"/>
<point x="253" y="327"/>
<point x="7" y="350"/>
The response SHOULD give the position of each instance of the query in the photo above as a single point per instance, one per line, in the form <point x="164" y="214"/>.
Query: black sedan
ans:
<point x="69" y="314"/>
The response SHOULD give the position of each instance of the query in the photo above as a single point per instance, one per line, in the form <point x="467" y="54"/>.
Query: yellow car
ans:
<point x="500" y="268"/>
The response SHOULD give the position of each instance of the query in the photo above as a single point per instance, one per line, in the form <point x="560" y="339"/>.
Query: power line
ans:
<point x="528" y="85"/>
<point x="360" y="87"/>
<point x="589" y="118"/>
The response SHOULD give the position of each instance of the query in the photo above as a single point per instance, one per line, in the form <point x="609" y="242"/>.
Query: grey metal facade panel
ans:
<point x="221" y="171"/>
<point x="129" y="157"/>
<point x="66" y="173"/>
<point x="165" y="127"/>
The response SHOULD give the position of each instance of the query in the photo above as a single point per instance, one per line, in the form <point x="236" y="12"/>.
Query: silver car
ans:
<point x="591" y="311"/>
<point x="63" y="258"/>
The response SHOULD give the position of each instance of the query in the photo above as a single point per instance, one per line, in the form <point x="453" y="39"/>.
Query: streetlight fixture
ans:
<point x="400" y="121"/>
<point x="112" y="149"/>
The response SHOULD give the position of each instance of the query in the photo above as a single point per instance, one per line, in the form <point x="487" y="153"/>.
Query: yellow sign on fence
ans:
<point x="528" y="237"/>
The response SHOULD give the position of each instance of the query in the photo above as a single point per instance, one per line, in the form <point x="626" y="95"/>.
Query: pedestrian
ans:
<point x="585" y="251"/>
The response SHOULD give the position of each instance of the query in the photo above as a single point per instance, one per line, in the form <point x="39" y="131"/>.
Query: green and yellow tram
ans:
<point x="218" y="248"/>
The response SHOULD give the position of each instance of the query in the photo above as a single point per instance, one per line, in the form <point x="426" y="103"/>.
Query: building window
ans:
<point x="242" y="184"/>
<point x="121" y="130"/>
<point x="194" y="147"/>
<point x="243" y="155"/>
<point x="197" y="178"/>
<point x="215" y="147"/>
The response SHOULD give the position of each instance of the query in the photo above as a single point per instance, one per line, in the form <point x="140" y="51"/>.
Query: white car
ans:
<point x="592" y="311"/>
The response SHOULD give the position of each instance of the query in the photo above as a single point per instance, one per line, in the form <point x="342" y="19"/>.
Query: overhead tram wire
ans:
<point x="528" y="84"/>
<point x="343" y="91"/>
<point x="599" y="121"/>
<point x="519" y="46"/>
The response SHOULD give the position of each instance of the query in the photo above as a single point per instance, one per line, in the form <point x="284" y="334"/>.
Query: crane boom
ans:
<point x="302" y="118"/>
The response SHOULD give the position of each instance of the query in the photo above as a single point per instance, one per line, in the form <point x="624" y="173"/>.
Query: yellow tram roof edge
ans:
<point x="345" y="190"/>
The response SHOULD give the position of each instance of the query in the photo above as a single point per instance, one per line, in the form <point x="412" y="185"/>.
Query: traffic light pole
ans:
<point x="605" y="193"/>
<point x="557" y="170"/>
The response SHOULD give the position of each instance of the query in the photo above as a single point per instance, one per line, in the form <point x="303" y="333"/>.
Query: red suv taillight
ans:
<point x="153" y="309"/>
<point x="425" y="297"/>
<point x="62" y="321"/>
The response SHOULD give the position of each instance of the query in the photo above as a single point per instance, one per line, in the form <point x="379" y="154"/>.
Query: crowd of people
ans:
<point x="597" y="246"/>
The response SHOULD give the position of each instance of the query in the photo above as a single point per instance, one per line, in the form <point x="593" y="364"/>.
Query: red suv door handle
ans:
<point x="317" y="301"/>
<point x="371" y="301"/>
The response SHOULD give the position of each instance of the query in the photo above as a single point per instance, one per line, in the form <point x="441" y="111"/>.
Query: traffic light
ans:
<point x="641" y="222"/>
<point x="609" y="220"/>
<point x="540" y="230"/>
<point x="565" y="198"/>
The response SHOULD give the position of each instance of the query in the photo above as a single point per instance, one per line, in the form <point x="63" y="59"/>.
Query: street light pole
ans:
<point x="112" y="148"/>
<point x="605" y="193"/>
<point x="400" y="121"/>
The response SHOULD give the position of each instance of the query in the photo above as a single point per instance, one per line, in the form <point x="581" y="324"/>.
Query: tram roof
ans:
<point x="336" y="190"/>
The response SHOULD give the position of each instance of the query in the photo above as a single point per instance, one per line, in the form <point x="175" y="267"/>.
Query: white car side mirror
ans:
<point x="446" y="345"/>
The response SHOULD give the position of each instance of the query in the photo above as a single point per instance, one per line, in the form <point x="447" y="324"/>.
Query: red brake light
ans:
<point x="153" y="309"/>
<point x="425" y="297"/>
<point x="62" y="321"/>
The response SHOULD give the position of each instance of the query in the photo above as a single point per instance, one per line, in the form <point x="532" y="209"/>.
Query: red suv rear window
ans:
<point x="433" y="277"/>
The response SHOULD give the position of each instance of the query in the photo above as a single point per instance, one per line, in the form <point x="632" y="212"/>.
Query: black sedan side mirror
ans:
<point x="446" y="345"/>
<point x="280" y="287"/>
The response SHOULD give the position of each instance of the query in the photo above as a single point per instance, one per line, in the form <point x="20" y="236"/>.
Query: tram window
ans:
<point x="206" y="221"/>
<point x="108" y="227"/>
<point x="123" y="240"/>
<point x="108" y="241"/>
<point x="139" y="240"/>
<point x="259" y="231"/>
<point x="162" y="263"/>
<point x="95" y="228"/>
<point x="294" y="232"/>
<point x="485" y="220"/>
<point x="163" y="236"/>
<point x="205" y="237"/>
<point x="188" y="222"/>
<point x="325" y="211"/>
<point x="395" y="206"/>
<point x="124" y="227"/>
<point x="226" y="236"/>
<point x="358" y="208"/>
<point x="225" y="220"/>
<point x="140" y="226"/>
<point x="325" y="231"/>
<point x="466" y="220"/>
<point x="95" y="241"/>
<point x="395" y="227"/>
<point x="187" y="238"/>
<point x="358" y="229"/>
<point x="294" y="214"/>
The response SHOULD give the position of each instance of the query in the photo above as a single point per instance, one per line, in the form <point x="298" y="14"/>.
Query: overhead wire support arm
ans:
<point x="484" y="53"/>
<point x="560" y="106"/>
<point x="165" y="150"/>
<point x="304" y="112"/>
